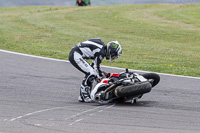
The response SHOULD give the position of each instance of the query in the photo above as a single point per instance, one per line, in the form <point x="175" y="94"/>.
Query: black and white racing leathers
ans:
<point x="94" y="49"/>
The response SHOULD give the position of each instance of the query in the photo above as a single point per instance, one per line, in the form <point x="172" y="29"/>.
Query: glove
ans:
<point x="103" y="75"/>
<point x="97" y="77"/>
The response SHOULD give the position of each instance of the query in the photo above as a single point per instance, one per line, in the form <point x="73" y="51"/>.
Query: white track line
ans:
<point x="83" y="112"/>
<point x="46" y="58"/>
<point x="87" y="111"/>
<point x="76" y="121"/>
<point x="36" y="112"/>
<point x="34" y="56"/>
<point x="57" y="108"/>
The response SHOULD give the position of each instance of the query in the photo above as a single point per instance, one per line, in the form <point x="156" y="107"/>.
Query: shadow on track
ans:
<point x="138" y="104"/>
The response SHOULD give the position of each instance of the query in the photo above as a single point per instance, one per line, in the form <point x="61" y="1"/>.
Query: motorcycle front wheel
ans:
<point x="152" y="77"/>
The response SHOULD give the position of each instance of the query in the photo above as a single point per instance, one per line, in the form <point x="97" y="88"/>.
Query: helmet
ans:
<point x="114" y="50"/>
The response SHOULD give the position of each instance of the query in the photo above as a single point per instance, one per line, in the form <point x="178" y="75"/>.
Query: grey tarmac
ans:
<point x="38" y="95"/>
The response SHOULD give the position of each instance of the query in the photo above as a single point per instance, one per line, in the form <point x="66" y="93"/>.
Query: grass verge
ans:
<point x="154" y="37"/>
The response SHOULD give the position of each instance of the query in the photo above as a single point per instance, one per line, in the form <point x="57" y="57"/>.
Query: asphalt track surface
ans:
<point x="40" y="96"/>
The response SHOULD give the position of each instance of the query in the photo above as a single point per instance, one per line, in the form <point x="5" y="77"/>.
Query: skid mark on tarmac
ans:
<point x="72" y="119"/>
<point x="36" y="112"/>
<point x="93" y="112"/>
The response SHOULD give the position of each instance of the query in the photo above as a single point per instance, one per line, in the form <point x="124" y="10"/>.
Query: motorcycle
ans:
<point x="123" y="87"/>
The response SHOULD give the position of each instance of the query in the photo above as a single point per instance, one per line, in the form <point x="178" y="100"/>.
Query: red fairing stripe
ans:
<point x="115" y="75"/>
<point x="108" y="74"/>
<point x="105" y="81"/>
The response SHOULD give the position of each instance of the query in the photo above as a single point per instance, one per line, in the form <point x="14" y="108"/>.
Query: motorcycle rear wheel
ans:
<point x="133" y="90"/>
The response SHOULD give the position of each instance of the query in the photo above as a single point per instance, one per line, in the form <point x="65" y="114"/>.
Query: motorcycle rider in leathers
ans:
<point x="96" y="50"/>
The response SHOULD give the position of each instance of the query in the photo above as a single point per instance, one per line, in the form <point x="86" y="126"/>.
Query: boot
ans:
<point x="84" y="94"/>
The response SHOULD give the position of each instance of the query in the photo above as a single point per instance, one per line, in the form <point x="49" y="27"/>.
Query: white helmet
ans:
<point x="114" y="50"/>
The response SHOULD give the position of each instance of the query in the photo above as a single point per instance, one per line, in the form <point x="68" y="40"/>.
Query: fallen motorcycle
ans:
<point x="123" y="87"/>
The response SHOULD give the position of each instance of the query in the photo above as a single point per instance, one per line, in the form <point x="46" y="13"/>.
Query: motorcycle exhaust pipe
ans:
<point x="100" y="96"/>
<point x="97" y="97"/>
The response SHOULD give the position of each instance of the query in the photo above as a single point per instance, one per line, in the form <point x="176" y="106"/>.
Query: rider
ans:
<point x="96" y="50"/>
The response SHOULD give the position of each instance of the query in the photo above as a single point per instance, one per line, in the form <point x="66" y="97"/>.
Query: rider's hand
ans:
<point x="98" y="79"/>
<point x="103" y="75"/>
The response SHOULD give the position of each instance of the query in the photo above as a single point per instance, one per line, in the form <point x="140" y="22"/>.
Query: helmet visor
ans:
<point x="114" y="57"/>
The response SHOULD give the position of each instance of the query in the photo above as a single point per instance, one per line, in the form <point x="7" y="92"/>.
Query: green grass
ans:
<point x="154" y="37"/>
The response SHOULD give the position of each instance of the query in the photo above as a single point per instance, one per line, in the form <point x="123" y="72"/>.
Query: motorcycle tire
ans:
<point x="152" y="76"/>
<point x="133" y="90"/>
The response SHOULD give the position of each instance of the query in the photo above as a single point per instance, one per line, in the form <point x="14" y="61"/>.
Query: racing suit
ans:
<point x="94" y="49"/>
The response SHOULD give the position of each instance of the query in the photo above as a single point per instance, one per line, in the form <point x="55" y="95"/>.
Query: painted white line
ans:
<point x="111" y="106"/>
<point x="76" y="121"/>
<point x="38" y="125"/>
<point x="36" y="112"/>
<point x="34" y="56"/>
<point x="165" y="74"/>
<point x="82" y="113"/>
<point x="46" y="58"/>
<point x="89" y="114"/>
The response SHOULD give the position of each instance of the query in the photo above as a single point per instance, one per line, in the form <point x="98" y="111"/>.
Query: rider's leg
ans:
<point x="88" y="80"/>
<point x="77" y="61"/>
<point x="86" y="87"/>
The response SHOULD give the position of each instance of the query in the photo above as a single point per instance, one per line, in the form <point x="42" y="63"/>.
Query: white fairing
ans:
<point x="94" y="91"/>
<point x="92" y="94"/>
<point x="140" y="77"/>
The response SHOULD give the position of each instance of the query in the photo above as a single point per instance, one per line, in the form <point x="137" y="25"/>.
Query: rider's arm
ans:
<point x="96" y="63"/>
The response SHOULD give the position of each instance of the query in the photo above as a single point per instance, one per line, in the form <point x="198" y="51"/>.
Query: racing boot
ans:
<point x="85" y="94"/>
